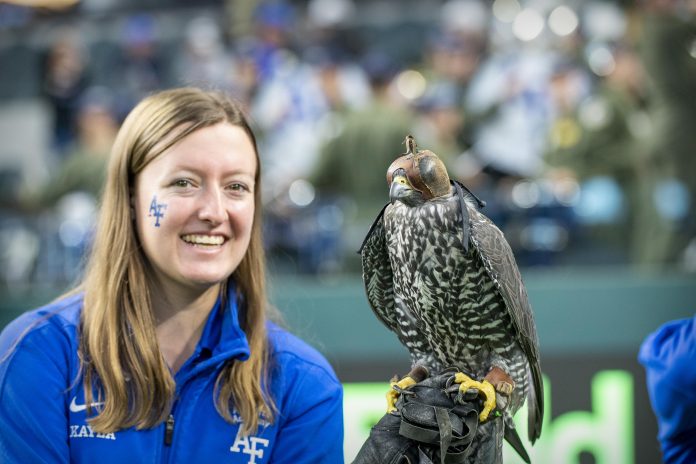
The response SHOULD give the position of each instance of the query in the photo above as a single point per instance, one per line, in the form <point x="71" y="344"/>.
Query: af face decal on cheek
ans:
<point x="156" y="210"/>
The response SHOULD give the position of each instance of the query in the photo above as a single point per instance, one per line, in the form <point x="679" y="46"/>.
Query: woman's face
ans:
<point x="194" y="207"/>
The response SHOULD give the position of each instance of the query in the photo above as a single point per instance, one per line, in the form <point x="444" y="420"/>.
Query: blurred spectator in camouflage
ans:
<point x="600" y="140"/>
<point x="85" y="165"/>
<point x="668" y="50"/>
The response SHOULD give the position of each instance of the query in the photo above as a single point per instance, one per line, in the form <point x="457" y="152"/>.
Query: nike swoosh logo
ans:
<point x="74" y="407"/>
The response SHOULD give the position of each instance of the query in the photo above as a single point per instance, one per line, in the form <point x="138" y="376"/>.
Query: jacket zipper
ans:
<point x="169" y="430"/>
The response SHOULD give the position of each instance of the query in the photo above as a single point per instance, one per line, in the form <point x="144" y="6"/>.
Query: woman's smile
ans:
<point x="205" y="241"/>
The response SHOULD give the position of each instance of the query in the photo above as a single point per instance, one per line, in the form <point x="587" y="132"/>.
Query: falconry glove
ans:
<point x="433" y="423"/>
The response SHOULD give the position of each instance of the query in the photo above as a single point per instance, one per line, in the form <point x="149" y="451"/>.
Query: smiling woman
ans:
<point x="168" y="334"/>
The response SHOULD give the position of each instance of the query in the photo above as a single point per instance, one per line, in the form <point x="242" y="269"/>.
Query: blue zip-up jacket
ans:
<point x="42" y="406"/>
<point x="669" y="358"/>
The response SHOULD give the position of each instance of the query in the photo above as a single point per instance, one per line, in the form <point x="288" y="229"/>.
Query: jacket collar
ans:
<point x="231" y="336"/>
<point x="222" y="337"/>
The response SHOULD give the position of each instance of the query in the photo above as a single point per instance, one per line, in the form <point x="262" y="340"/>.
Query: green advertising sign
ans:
<point x="606" y="431"/>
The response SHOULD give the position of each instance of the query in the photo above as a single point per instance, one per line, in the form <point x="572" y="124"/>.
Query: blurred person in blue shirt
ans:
<point x="669" y="358"/>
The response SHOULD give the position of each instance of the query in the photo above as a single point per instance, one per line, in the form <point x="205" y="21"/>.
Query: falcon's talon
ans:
<point x="484" y="387"/>
<point x="394" y="392"/>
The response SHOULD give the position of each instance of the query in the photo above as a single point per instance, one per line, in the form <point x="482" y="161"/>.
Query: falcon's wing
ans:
<point x="377" y="274"/>
<point x="386" y="304"/>
<point x="502" y="268"/>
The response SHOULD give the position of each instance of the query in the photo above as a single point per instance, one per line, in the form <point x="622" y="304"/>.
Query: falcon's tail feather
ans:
<point x="512" y="437"/>
<point x="535" y="404"/>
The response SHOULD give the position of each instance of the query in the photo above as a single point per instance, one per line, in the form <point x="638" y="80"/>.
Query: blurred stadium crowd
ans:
<point x="575" y="121"/>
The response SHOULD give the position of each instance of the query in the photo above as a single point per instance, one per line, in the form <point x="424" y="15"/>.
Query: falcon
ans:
<point x="439" y="274"/>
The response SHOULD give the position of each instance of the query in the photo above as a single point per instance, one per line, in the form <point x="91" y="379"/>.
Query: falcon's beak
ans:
<point x="397" y="191"/>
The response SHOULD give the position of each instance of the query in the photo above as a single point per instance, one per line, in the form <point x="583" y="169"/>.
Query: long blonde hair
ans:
<point x="118" y="348"/>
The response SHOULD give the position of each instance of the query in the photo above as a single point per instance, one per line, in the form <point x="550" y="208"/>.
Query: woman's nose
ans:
<point x="211" y="208"/>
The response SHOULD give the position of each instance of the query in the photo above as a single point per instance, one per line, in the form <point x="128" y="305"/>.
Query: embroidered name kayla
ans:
<point x="85" y="431"/>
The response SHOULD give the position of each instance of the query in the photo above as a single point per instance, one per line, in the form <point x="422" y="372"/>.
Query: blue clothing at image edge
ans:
<point x="43" y="412"/>
<point x="669" y="358"/>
